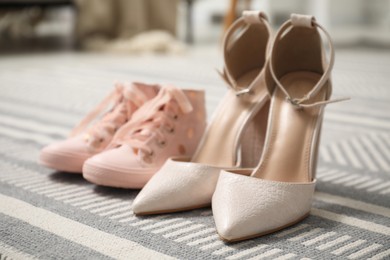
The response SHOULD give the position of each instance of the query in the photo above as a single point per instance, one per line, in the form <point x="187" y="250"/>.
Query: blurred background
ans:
<point x="132" y="26"/>
<point x="72" y="51"/>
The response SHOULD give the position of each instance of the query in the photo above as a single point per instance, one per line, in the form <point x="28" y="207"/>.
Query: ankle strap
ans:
<point x="247" y="18"/>
<point x="308" y="22"/>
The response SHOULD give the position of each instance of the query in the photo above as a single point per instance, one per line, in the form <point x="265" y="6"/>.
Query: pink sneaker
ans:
<point x="171" y="124"/>
<point x="69" y="155"/>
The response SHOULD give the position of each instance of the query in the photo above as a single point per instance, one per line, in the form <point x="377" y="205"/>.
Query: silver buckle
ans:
<point x="294" y="102"/>
<point x="243" y="92"/>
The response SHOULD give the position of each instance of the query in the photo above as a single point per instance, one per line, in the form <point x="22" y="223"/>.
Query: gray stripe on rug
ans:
<point x="41" y="243"/>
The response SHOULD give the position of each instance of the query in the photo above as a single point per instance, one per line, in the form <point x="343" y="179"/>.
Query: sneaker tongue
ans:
<point x="116" y="111"/>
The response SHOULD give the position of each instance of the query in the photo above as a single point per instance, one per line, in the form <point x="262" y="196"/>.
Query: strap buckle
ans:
<point x="294" y="102"/>
<point x="232" y="85"/>
<point x="244" y="91"/>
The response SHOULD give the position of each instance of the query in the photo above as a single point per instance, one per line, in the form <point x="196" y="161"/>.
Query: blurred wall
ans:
<point x="349" y="21"/>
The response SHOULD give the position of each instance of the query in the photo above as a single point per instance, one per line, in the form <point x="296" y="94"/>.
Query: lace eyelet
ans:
<point x="161" y="144"/>
<point x="148" y="158"/>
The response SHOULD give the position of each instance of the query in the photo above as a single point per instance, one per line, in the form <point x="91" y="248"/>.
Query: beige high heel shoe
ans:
<point x="184" y="183"/>
<point x="279" y="191"/>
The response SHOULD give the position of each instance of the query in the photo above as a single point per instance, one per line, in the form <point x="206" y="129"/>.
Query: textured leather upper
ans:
<point x="244" y="206"/>
<point x="178" y="184"/>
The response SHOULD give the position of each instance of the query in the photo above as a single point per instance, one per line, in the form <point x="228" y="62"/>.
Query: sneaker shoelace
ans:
<point x="126" y="99"/>
<point x="153" y="121"/>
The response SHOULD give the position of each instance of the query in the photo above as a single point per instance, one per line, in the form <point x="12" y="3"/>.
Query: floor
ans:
<point x="42" y="95"/>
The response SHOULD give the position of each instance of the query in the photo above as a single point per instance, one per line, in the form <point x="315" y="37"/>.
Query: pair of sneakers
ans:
<point x="124" y="146"/>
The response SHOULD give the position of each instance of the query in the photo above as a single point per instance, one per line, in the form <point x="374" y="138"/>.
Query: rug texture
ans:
<point x="53" y="215"/>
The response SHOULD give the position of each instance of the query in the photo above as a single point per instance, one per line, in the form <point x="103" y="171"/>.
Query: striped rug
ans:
<point x="51" y="215"/>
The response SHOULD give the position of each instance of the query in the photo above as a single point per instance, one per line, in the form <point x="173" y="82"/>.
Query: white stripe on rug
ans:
<point x="354" y="204"/>
<point x="33" y="111"/>
<point x="24" y="135"/>
<point x="35" y="126"/>
<point x="357" y="119"/>
<point x="291" y="230"/>
<point x="318" y="238"/>
<point x="267" y="255"/>
<point x="333" y="243"/>
<point x="351" y="221"/>
<point x="104" y="243"/>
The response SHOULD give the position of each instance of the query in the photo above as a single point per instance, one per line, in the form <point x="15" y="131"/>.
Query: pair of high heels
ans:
<point x="273" y="112"/>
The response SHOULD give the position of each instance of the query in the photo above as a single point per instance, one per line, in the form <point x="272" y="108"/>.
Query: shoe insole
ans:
<point x="219" y="146"/>
<point x="292" y="133"/>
